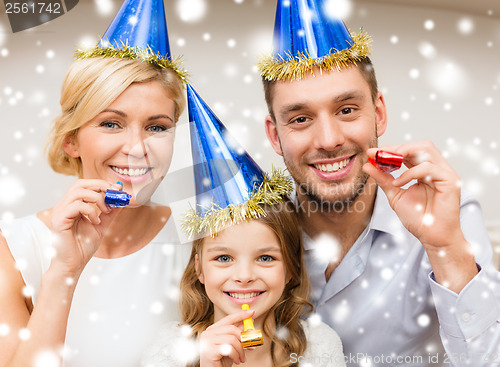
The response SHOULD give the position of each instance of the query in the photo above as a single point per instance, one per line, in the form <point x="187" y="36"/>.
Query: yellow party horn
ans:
<point x="250" y="337"/>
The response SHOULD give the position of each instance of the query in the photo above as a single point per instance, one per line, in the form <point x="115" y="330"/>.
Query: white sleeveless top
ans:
<point x="119" y="304"/>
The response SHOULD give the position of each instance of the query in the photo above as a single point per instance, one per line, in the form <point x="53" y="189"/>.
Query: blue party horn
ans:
<point x="115" y="199"/>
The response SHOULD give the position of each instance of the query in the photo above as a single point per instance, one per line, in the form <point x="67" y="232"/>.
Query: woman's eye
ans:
<point x="266" y="258"/>
<point x="223" y="258"/>
<point x="109" y="125"/>
<point x="156" y="128"/>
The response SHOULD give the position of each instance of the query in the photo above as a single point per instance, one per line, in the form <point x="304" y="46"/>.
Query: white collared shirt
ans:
<point x="384" y="303"/>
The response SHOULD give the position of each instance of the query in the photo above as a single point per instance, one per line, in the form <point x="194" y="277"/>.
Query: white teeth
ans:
<point x="244" y="295"/>
<point x="130" y="172"/>
<point x="332" y="167"/>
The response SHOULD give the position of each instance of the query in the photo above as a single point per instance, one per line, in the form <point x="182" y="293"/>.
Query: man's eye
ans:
<point x="346" y="111"/>
<point x="300" y="120"/>
<point x="223" y="258"/>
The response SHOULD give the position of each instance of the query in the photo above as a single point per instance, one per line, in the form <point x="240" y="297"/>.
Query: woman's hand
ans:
<point x="79" y="221"/>
<point x="220" y="343"/>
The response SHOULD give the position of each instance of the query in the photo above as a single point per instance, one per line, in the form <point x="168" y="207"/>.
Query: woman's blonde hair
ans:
<point x="90" y="86"/>
<point x="197" y="310"/>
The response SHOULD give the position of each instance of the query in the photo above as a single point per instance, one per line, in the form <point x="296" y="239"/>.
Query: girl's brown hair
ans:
<point x="89" y="87"/>
<point x="197" y="310"/>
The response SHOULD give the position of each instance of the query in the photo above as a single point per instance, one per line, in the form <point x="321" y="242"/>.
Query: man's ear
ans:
<point x="381" y="114"/>
<point x="70" y="146"/>
<point x="272" y="134"/>
<point x="197" y="266"/>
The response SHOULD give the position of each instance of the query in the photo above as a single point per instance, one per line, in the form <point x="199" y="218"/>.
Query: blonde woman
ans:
<point x="82" y="282"/>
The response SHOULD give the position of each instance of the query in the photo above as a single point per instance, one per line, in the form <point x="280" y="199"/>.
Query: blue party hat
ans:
<point x="307" y="36"/>
<point x="138" y="31"/>
<point x="230" y="186"/>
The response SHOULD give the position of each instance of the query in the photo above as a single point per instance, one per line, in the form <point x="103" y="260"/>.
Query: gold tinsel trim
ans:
<point x="270" y="191"/>
<point x="134" y="53"/>
<point x="295" y="67"/>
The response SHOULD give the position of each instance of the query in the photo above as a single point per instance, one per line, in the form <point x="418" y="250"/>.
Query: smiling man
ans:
<point x="397" y="265"/>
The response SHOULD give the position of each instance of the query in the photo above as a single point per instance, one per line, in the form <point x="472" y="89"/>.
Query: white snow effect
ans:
<point x="447" y="77"/>
<point x="104" y="7"/>
<point x="11" y="190"/>
<point x="428" y="219"/>
<point x="314" y="319"/>
<point x="24" y="334"/>
<point x="225" y="349"/>
<point x="206" y="36"/>
<point x="4" y="52"/>
<point x="465" y="26"/>
<point x="156" y="308"/>
<point x="133" y="19"/>
<point x="336" y="9"/>
<point x="342" y="312"/>
<point x="46" y="359"/>
<point x="231" y="43"/>
<point x="282" y="333"/>
<point x="191" y="11"/>
<point x="414" y="73"/>
<point x="28" y="291"/>
<point x="181" y="42"/>
<point x="394" y="39"/>
<point x="50" y="54"/>
<point x="423" y="320"/>
<point x="87" y="42"/>
<point x="474" y="186"/>
<point x="4" y="329"/>
<point x="387" y="273"/>
<point x="427" y="50"/>
<point x="230" y="70"/>
<point x="327" y="248"/>
<point x="405" y="115"/>
<point x="429" y="24"/>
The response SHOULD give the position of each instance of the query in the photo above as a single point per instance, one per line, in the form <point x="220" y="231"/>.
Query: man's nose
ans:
<point x="328" y="133"/>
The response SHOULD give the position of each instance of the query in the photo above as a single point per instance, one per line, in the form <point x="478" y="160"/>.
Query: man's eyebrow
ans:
<point x="349" y="95"/>
<point x="346" y="96"/>
<point x="292" y="108"/>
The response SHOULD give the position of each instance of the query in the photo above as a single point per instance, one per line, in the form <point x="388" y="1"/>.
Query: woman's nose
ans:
<point x="135" y="144"/>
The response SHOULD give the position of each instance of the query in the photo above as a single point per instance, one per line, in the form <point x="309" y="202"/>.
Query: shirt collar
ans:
<point x="383" y="219"/>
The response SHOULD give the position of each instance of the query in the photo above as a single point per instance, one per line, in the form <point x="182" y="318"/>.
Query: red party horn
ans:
<point x="387" y="161"/>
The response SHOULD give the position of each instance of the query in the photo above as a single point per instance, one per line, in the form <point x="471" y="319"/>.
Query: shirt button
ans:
<point x="466" y="317"/>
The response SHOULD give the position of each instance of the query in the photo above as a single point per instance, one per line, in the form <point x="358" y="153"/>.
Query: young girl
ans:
<point x="258" y="263"/>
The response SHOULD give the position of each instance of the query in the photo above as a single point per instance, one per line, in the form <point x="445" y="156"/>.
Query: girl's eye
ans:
<point x="223" y="258"/>
<point x="109" y="125"/>
<point x="266" y="258"/>
<point x="156" y="128"/>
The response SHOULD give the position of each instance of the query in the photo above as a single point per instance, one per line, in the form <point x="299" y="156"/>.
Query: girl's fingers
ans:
<point x="235" y="318"/>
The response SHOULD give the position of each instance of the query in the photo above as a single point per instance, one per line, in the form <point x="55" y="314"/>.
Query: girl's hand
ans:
<point x="220" y="343"/>
<point x="79" y="222"/>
